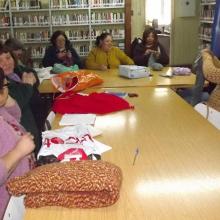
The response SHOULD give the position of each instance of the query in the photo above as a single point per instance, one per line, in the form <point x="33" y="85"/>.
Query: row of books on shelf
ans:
<point x="106" y="3"/>
<point x="102" y="17"/>
<point x="207" y="12"/>
<point x="42" y="20"/>
<point x="31" y="20"/>
<point x="4" y="36"/>
<point x="85" y="3"/>
<point x="24" y="4"/>
<point x="4" y="21"/>
<point x="208" y="1"/>
<point x="38" y="52"/>
<point x="36" y="4"/>
<point x="73" y="35"/>
<point x="205" y="38"/>
<point x="3" y="4"/>
<point x="83" y="18"/>
<point x="85" y="35"/>
<point x="204" y="46"/>
<point x="115" y="32"/>
<point x="40" y="36"/>
<point x="205" y="31"/>
<point x="69" y="3"/>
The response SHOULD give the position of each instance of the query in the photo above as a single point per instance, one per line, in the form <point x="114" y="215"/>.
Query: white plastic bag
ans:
<point x="209" y="113"/>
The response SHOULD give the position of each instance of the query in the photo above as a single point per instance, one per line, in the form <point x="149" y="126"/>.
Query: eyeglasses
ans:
<point x="6" y="85"/>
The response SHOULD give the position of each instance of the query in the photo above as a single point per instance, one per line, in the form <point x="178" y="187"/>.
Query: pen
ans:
<point x="135" y="155"/>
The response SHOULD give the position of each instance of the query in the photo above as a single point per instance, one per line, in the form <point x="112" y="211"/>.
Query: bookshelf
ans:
<point x="33" y="22"/>
<point x="207" y="10"/>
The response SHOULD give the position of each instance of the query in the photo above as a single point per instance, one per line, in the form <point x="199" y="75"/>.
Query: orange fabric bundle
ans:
<point x="75" y="184"/>
<point x="75" y="81"/>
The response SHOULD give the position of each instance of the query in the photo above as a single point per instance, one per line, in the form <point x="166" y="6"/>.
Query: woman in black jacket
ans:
<point x="150" y="52"/>
<point x="61" y="51"/>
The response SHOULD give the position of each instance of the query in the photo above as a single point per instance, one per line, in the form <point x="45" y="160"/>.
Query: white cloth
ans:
<point x="210" y="113"/>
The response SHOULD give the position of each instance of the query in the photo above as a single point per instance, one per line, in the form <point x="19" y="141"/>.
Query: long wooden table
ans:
<point x="113" y="80"/>
<point x="177" y="172"/>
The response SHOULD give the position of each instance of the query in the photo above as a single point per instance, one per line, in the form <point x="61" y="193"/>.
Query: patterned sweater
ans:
<point x="211" y="71"/>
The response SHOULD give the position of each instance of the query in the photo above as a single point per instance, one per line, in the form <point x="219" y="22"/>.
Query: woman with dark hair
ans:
<point x="27" y="74"/>
<point x="61" y="51"/>
<point x="105" y="56"/>
<point x="22" y="54"/>
<point x="150" y="52"/>
<point x="15" y="144"/>
<point x="23" y="91"/>
<point x="17" y="49"/>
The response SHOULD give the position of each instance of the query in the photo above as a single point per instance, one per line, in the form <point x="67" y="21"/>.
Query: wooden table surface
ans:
<point x="177" y="172"/>
<point x="113" y="80"/>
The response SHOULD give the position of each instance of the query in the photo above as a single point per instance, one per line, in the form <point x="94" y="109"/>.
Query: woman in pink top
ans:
<point x="15" y="143"/>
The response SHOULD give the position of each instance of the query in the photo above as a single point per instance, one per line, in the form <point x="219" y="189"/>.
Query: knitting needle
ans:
<point x="135" y="155"/>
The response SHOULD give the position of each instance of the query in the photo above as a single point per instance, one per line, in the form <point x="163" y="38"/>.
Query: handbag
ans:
<point x="75" y="81"/>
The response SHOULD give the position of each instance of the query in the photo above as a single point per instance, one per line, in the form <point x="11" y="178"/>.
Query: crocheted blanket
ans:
<point x="75" y="184"/>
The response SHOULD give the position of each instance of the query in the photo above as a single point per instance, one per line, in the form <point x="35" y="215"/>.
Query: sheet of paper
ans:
<point x="101" y="148"/>
<point x="94" y="131"/>
<point x="77" y="119"/>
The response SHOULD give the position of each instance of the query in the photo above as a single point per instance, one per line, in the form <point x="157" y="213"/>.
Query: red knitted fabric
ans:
<point x="97" y="103"/>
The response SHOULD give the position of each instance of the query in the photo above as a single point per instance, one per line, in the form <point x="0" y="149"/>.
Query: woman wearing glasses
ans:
<point x="15" y="144"/>
<point x="22" y="89"/>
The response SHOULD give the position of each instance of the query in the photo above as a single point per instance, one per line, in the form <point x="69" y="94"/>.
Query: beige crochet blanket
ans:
<point x="211" y="71"/>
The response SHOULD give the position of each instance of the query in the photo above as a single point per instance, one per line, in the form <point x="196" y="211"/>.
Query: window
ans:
<point x="158" y="10"/>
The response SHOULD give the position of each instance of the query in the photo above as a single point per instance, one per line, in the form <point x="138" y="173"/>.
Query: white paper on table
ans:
<point x="93" y="131"/>
<point x="101" y="148"/>
<point x="15" y="209"/>
<point x="76" y="130"/>
<point x="77" y="119"/>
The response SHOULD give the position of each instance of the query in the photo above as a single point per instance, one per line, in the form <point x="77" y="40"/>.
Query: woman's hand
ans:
<point x="62" y="54"/>
<point x="103" y="67"/>
<point x="156" y="54"/>
<point x="148" y="51"/>
<point x="25" y="145"/>
<point x="28" y="78"/>
<point x="68" y="54"/>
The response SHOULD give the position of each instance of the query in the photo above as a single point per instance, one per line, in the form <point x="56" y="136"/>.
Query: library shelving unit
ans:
<point x="34" y="21"/>
<point x="207" y="10"/>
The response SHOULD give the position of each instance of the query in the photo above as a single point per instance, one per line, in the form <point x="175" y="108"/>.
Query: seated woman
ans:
<point x="26" y="74"/>
<point x="17" y="49"/>
<point x="105" y="56"/>
<point x="211" y="71"/>
<point x="22" y="90"/>
<point x="15" y="143"/>
<point x="61" y="51"/>
<point x="150" y="52"/>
